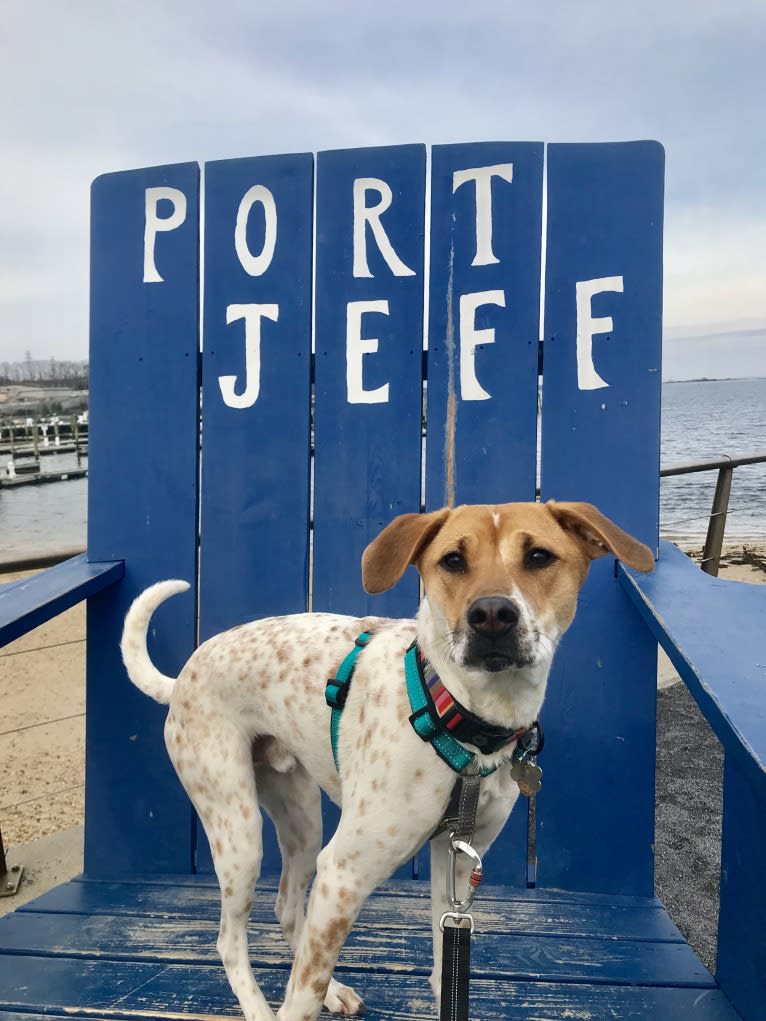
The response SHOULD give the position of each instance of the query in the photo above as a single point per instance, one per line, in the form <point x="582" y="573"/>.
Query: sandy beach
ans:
<point x="42" y="750"/>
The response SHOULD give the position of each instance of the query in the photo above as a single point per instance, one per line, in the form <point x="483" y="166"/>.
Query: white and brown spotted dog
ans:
<point x="248" y="726"/>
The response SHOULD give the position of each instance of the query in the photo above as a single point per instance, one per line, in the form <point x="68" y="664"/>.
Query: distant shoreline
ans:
<point x="715" y="379"/>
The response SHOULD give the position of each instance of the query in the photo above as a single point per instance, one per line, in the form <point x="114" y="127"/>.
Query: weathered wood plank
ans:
<point x="741" y="965"/>
<point x="483" y="327"/>
<point x="370" y="221"/>
<point x="600" y="443"/>
<point x="126" y="990"/>
<point x="484" y="311"/>
<point x="401" y="950"/>
<point x="142" y="501"/>
<point x="381" y="911"/>
<point x="723" y="666"/>
<point x="29" y="602"/>
<point x="256" y="390"/>
<point x="404" y="888"/>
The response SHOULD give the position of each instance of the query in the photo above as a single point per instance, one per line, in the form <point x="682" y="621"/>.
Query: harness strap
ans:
<point x="337" y="688"/>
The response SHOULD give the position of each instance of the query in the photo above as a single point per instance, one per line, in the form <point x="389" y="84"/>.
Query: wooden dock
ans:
<point x="28" y="450"/>
<point x="43" y="477"/>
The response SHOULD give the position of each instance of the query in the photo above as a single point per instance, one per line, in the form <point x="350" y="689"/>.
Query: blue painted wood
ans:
<point x="544" y="915"/>
<point x="268" y="886"/>
<point x="255" y="458"/>
<point x="142" y="502"/>
<point x="191" y="991"/>
<point x="482" y="397"/>
<point x="369" y="338"/>
<point x="741" y="963"/>
<point x="595" y="955"/>
<point x="596" y="812"/>
<point x="367" y="460"/>
<point x="481" y="426"/>
<point x="405" y="949"/>
<point x="254" y="549"/>
<point x="567" y="943"/>
<point x="713" y="631"/>
<point x="29" y="602"/>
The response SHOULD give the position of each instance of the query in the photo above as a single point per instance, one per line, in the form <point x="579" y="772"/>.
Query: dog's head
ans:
<point x="501" y="582"/>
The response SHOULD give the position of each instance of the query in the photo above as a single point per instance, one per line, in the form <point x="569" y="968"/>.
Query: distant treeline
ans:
<point x="45" y="372"/>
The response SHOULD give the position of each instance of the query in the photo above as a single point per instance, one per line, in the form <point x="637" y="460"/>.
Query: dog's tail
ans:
<point x="135" y="655"/>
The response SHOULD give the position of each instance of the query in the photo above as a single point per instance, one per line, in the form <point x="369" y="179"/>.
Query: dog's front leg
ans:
<point x="362" y="853"/>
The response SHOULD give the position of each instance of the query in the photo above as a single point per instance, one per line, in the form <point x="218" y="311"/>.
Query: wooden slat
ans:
<point x="29" y="602"/>
<point x="482" y="449"/>
<point x="524" y="914"/>
<point x="402" y="950"/>
<point x="254" y="545"/>
<point x="255" y="458"/>
<point x="144" y="430"/>
<point x="595" y="814"/>
<point x="32" y="1016"/>
<point x="367" y="455"/>
<point x="741" y="965"/>
<point x="482" y="410"/>
<point x="723" y="665"/>
<point x="367" y="461"/>
<point x="267" y="885"/>
<point x="127" y="990"/>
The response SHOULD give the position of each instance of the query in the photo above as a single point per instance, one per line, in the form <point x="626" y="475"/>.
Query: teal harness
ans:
<point x="425" y="719"/>
<point x="337" y="689"/>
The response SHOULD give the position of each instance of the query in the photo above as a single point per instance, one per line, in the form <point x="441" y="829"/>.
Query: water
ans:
<point x="704" y="421"/>
<point x="47" y="518"/>
<point x="699" y="421"/>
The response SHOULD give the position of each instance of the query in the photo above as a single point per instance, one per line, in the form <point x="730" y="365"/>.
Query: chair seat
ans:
<point x="146" y="947"/>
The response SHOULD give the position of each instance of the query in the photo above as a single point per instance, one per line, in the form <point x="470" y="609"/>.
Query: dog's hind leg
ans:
<point x="213" y="759"/>
<point x="293" y="801"/>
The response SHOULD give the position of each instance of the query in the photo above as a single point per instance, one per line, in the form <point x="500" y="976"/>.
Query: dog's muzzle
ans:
<point x="495" y="641"/>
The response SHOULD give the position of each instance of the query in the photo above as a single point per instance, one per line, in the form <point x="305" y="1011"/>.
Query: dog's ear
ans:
<point x="598" y="535"/>
<point x="399" y="544"/>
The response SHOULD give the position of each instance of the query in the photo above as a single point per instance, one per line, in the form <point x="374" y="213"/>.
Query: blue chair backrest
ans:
<point x="202" y="468"/>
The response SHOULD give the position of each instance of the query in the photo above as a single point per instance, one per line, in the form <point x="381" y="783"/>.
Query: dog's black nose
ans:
<point x="493" y="616"/>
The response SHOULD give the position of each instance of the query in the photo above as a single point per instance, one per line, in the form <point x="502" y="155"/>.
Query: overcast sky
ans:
<point x="88" y="87"/>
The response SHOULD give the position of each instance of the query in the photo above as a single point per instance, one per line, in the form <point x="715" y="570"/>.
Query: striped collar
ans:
<point x="456" y="720"/>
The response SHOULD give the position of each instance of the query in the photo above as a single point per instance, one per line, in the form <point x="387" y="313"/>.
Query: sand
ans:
<point x="42" y="757"/>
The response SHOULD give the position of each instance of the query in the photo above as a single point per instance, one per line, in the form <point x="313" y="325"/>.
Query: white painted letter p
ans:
<point x="153" y="224"/>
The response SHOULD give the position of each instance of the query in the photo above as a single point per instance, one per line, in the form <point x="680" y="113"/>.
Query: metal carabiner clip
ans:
<point x="455" y="845"/>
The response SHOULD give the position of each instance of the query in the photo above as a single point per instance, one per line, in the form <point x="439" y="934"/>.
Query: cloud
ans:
<point x="716" y="357"/>
<point x="91" y="87"/>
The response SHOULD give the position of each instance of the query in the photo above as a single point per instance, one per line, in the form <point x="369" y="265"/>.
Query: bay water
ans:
<point x="700" y="420"/>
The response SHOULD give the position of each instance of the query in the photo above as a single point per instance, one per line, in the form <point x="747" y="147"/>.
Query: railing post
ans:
<point x="714" y="541"/>
<point x="9" y="877"/>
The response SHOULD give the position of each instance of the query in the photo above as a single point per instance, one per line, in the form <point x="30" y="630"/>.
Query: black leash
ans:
<point x="457" y="923"/>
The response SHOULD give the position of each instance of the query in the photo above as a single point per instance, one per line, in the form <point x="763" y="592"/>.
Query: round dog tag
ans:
<point x="528" y="776"/>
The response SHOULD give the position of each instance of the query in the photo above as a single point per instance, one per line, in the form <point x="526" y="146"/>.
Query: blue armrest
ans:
<point x="27" y="603"/>
<point x="714" y="632"/>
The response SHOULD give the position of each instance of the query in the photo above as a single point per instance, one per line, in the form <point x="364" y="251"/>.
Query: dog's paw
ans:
<point x="342" y="999"/>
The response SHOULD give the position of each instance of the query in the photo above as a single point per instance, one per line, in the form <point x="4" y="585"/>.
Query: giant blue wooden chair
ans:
<point x="260" y="469"/>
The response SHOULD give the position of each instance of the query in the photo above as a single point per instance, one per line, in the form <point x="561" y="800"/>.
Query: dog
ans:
<point x="248" y="725"/>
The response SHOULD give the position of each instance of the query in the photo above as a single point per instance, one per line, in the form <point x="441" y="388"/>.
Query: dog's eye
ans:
<point x="454" y="563"/>
<point x="538" y="557"/>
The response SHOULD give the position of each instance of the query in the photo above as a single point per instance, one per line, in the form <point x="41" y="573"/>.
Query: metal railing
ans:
<point x="711" y="556"/>
<point x="725" y="466"/>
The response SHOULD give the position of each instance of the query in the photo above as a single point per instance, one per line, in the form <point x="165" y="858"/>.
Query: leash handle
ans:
<point x="456" y="967"/>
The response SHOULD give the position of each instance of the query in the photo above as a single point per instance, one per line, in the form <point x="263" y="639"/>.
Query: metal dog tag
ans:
<point x="528" y="776"/>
